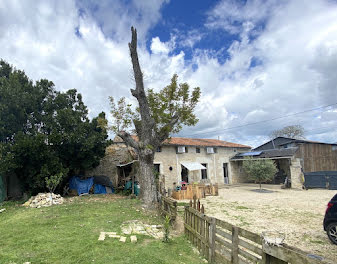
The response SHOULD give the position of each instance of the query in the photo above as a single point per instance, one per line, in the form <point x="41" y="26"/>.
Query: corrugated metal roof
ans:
<point x="271" y="153"/>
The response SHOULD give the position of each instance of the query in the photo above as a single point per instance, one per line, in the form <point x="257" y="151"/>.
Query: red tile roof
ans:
<point x="202" y="142"/>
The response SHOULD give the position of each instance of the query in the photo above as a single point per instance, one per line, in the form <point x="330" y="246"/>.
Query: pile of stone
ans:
<point x="137" y="227"/>
<point x="44" y="200"/>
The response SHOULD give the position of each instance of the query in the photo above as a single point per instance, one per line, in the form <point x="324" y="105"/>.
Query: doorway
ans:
<point x="184" y="174"/>
<point x="225" y="173"/>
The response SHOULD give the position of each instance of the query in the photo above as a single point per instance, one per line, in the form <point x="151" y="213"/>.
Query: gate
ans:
<point x="321" y="179"/>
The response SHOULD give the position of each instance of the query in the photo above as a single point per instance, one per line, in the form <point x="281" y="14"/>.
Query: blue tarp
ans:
<point x="81" y="186"/>
<point x="99" y="189"/>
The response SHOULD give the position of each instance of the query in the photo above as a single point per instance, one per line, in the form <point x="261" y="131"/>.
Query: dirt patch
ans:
<point x="296" y="213"/>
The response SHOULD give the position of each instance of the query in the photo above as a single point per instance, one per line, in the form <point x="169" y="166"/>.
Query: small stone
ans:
<point x="114" y="236"/>
<point x="2" y="210"/>
<point x="110" y="233"/>
<point x="122" y="239"/>
<point x="101" y="236"/>
<point x="133" y="239"/>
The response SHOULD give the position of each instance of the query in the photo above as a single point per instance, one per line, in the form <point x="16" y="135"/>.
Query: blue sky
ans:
<point x="257" y="62"/>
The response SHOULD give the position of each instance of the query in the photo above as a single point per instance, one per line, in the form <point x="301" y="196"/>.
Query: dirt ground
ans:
<point x="296" y="213"/>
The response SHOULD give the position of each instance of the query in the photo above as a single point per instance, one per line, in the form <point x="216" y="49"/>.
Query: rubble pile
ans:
<point x="44" y="200"/>
<point x="137" y="227"/>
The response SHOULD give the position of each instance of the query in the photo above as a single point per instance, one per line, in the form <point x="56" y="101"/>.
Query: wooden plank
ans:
<point x="289" y="255"/>
<point x="212" y="236"/>
<point x="235" y="245"/>
<point x="195" y="212"/>
<point x="219" y="258"/>
<point x="223" y="242"/>
<point x="242" y="261"/>
<point x="224" y="234"/>
<point x="251" y="247"/>
<point x="250" y="235"/>
<point x="249" y="256"/>
<point x="195" y="234"/>
<point x="224" y="225"/>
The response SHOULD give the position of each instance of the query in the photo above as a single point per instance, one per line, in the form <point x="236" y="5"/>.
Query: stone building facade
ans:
<point x="179" y="159"/>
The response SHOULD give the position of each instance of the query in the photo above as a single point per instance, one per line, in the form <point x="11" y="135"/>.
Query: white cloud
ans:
<point x="293" y="46"/>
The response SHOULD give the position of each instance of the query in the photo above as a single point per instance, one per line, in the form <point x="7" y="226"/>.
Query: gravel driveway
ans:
<point x="296" y="213"/>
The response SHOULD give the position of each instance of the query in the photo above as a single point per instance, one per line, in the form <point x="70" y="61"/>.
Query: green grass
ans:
<point x="69" y="233"/>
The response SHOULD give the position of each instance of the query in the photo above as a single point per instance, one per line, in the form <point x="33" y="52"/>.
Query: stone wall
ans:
<point x="296" y="174"/>
<point x="115" y="154"/>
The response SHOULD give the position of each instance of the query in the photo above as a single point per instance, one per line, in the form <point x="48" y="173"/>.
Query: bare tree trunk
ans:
<point x="148" y="188"/>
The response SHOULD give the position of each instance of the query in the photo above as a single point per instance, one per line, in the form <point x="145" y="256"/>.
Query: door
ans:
<point x="184" y="174"/>
<point x="225" y="173"/>
<point x="204" y="172"/>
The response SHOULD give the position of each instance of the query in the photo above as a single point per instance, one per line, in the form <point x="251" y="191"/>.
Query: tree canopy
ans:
<point x="259" y="170"/>
<point x="157" y="116"/>
<point x="293" y="131"/>
<point x="45" y="132"/>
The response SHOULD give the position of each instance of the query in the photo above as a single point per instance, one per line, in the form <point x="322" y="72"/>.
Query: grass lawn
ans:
<point x="69" y="233"/>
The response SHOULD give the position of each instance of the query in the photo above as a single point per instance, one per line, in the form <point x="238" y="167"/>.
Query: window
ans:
<point x="158" y="149"/>
<point x="204" y="171"/>
<point x="210" y="150"/>
<point x="215" y="150"/>
<point x="197" y="150"/>
<point x="181" y="149"/>
<point x="157" y="168"/>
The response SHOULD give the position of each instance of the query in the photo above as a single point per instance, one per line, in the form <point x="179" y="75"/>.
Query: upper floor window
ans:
<point x="181" y="149"/>
<point x="197" y="150"/>
<point x="158" y="149"/>
<point x="210" y="150"/>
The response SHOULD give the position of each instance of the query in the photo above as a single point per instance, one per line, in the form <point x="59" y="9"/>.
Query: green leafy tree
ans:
<point x="43" y="130"/>
<point x="158" y="115"/>
<point x="52" y="181"/>
<point x="259" y="170"/>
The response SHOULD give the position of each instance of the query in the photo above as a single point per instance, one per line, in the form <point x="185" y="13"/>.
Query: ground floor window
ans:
<point x="157" y="168"/>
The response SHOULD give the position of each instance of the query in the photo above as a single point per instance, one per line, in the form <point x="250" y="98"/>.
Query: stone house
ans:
<point x="178" y="159"/>
<point x="293" y="158"/>
<point x="196" y="160"/>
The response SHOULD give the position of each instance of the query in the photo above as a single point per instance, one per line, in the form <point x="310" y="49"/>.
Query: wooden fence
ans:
<point x="221" y="242"/>
<point x="168" y="206"/>
<point x="196" y="190"/>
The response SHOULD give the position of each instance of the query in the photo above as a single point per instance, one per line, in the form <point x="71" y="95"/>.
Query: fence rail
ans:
<point x="168" y="206"/>
<point x="222" y="242"/>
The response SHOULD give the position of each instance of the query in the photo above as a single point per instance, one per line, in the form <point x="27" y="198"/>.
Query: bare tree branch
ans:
<point x="144" y="109"/>
<point x="128" y="139"/>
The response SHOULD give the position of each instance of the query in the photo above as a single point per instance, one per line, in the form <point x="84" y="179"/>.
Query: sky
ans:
<point x="261" y="64"/>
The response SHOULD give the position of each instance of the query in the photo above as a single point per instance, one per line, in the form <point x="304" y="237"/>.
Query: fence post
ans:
<point x="235" y="245"/>
<point x="212" y="232"/>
